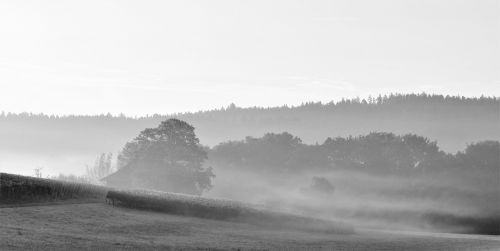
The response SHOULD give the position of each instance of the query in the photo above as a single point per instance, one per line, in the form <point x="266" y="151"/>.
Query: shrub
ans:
<point x="320" y="187"/>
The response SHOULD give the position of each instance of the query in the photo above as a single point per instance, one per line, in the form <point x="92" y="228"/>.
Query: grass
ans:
<point x="196" y="206"/>
<point x="21" y="190"/>
<point x="17" y="189"/>
<point x="175" y="203"/>
<point x="102" y="227"/>
<point x="161" y="223"/>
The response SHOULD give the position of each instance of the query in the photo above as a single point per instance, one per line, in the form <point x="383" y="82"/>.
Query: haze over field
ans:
<point x="348" y="114"/>
<point x="65" y="144"/>
<point x="376" y="178"/>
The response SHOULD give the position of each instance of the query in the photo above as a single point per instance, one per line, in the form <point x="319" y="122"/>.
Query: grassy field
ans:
<point x="16" y="190"/>
<point x="99" y="226"/>
<point x="50" y="215"/>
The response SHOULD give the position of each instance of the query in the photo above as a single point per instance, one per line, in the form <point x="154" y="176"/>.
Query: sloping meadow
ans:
<point x="219" y="209"/>
<point x="17" y="190"/>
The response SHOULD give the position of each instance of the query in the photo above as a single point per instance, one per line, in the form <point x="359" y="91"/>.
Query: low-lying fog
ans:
<point x="363" y="200"/>
<point x="51" y="164"/>
<point x="380" y="179"/>
<point x="440" y="202"/>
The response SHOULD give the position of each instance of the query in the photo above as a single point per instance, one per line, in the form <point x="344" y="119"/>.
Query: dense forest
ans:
<point x="453" y="121"/>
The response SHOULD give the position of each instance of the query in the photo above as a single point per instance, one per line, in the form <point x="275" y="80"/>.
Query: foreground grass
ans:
<point x="103" y="227"/>
<point x="99" y="226"/>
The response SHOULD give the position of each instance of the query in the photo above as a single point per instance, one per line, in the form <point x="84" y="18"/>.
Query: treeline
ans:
<point x="392" y="100"/>
<point x="415" y="166"/>
<point x="453" y="120"/>
<point x="376" y="152"/>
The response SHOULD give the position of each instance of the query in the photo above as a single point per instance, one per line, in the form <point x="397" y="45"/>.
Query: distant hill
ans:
<point x="451" y="120"/>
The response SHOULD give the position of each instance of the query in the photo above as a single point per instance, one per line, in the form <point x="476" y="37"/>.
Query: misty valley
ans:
<point x="250" y="125"/>
<point x="375" y="180"/>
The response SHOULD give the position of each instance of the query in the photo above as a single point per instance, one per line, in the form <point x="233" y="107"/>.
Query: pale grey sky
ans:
<point x="144" y="57"/>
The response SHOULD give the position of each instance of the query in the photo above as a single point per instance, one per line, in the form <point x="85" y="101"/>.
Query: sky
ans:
<point x="146" y="57"/>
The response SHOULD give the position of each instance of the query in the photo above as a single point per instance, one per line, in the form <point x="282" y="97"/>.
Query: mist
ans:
<point x="66" y="144"/>
<point x="366" y="201"/>
<point x="260" y="125"/>
<point x="352" y="166"/>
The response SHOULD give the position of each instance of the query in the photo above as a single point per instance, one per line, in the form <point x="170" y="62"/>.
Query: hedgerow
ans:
<point x="175" y="203"/>
<point x="23" y="189"/>
<point x="219" y="209"/>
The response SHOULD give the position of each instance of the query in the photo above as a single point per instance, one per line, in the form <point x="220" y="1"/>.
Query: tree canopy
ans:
<point x="376" y="152"/>
<point x="169" y="158"/>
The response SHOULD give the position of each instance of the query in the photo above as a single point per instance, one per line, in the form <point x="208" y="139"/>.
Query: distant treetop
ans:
<point x="390" y="100"/>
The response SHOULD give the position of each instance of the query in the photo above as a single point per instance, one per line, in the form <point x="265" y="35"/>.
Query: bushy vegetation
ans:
<point x="196" y="206"/>
<point x="376" y="152"/>
<point x="72" y="178"/>
<point x="320" y="187"/>
<point x="16" y="189"/>
<point x="175" y="203"/>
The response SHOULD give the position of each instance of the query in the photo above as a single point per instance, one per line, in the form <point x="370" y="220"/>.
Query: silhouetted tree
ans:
<point x="102" y="168"/>
<point x="170" y="158"/>
<point x="480" y="160"/>
<point x="382" y="152"/>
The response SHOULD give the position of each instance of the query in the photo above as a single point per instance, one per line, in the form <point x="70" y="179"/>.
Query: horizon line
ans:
<point x="233" y="105"/>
